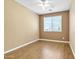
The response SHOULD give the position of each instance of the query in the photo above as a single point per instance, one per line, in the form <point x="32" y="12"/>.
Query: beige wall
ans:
<point x="56" y="35"/>
<point x="72" y="25"/>
<point x="21" y="25"/>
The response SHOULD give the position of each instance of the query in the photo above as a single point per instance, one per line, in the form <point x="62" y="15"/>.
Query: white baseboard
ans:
<point x="54" y="40"/>
<point x="33" y="42"/>
<point x="20" y="46"/>
<point x="37" y="40"/>
<point x="60" y="42"/>
<point x="72" y="50"/>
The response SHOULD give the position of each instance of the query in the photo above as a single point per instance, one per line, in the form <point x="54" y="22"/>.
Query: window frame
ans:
<point x="52" y="27"/>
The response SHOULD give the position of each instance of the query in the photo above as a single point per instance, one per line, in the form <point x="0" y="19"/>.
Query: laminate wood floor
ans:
<point x="42" y="50"/>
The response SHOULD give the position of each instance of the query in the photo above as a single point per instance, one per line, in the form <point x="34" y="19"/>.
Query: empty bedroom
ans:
<point x="39" y="29"/>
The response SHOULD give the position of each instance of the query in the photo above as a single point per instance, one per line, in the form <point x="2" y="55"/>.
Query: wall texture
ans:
<point x="55" y="35"/>
<point x="72" y="26"/>
<point x="21" y="25"/>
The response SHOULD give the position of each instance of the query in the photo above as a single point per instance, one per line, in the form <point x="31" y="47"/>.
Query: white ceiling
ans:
<point x="57" y="5"/>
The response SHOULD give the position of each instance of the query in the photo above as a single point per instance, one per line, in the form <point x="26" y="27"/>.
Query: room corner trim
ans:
<point x="54" y="40"/>
<point x="20" y="46"/>
<point x="72" y="50"/>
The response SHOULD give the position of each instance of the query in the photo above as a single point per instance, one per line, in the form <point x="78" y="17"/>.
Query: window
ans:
<point x="52" y="23"/>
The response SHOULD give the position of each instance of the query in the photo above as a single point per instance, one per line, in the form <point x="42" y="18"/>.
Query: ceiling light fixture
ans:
<point x="44" y="4"/>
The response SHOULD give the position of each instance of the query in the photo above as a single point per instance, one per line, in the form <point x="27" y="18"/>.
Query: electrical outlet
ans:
<point x="63" y="38"/>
